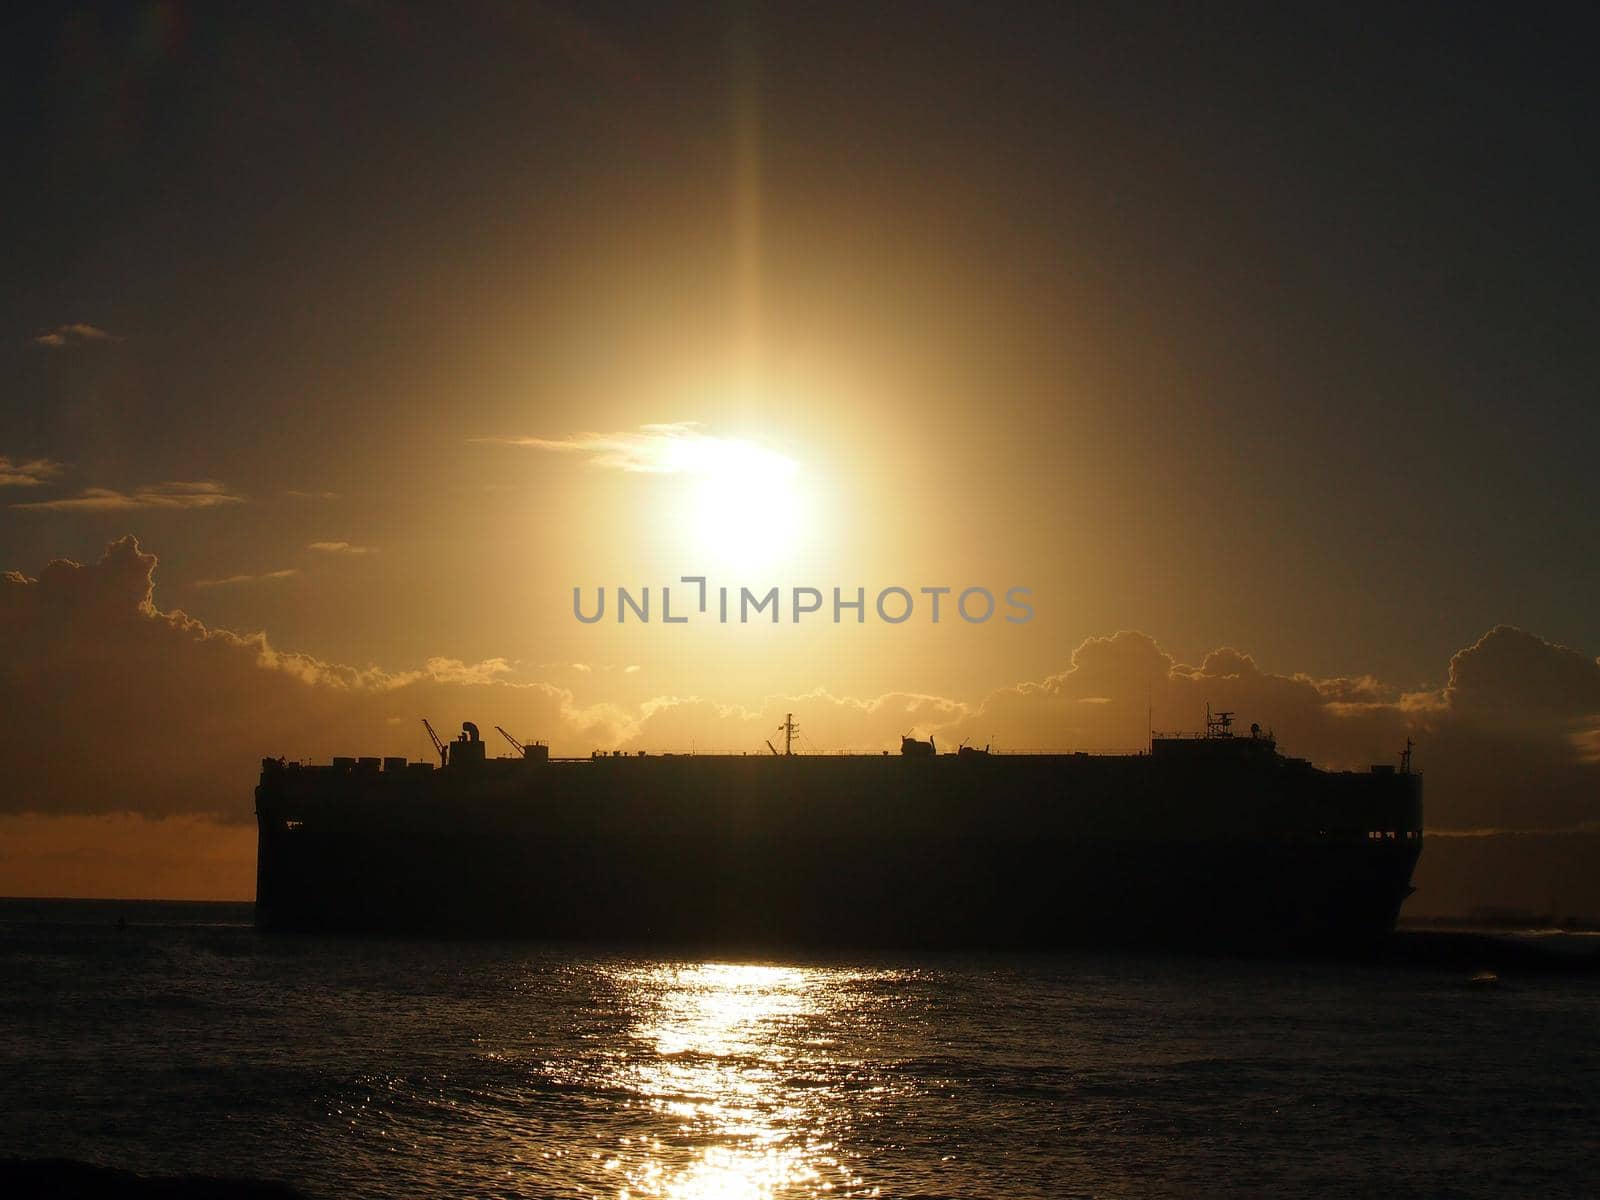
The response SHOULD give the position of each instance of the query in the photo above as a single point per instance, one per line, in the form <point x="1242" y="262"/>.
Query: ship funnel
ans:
<point x="471" y="730"/>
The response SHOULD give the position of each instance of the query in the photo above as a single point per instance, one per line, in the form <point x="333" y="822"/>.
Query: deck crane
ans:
<point x="515" y="745"/>
<point x="437" y="744"/>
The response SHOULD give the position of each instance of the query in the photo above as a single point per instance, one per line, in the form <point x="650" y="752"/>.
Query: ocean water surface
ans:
<point x="185" y="1042"/>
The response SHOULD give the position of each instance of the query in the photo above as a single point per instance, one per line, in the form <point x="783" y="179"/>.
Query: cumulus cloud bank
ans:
<point x="126" y="706"/>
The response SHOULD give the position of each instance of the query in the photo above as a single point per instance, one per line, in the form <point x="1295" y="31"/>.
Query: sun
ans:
<point x="728" y="504"/>
<point x="745" y="506"/>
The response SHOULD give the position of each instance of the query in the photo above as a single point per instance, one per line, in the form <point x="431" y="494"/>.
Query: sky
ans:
<point x="1259" y="339"/>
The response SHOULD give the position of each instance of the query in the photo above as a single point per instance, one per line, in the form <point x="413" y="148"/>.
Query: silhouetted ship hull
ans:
<point x="1215" y="841"/>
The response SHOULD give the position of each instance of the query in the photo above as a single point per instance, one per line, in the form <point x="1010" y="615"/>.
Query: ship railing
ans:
<point x="312" y="764"/>
<point x="858" y="752"/>
<point x="852" y="752"/>
<point x="1071" y="751"/>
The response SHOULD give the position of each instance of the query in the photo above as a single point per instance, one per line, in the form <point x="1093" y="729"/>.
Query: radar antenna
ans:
<point x="1218" y="724"/>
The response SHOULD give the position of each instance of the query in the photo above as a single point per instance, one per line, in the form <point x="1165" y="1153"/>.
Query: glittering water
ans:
<point x="189" y="1043"/>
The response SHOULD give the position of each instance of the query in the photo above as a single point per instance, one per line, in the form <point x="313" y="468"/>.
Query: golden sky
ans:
<point x="386" y="328"/>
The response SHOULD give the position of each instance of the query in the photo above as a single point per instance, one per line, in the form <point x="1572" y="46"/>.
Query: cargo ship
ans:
<point x="1215" y="839"/>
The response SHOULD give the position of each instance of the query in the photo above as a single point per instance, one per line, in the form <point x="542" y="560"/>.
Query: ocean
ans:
<point x="181" y="1041"/>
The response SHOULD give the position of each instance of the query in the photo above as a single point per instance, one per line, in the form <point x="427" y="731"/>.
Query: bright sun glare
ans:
<point x="734" y="504"/>
<point x="745" y="504"/>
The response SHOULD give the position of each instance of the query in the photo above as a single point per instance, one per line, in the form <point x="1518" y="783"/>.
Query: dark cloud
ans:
<point x="1513" y="675"/>
<point x="1510" y="743"/>
<point x="123" y="706"/>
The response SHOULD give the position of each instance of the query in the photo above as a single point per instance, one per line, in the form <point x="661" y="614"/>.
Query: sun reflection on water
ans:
<point x="729" y="1054"/>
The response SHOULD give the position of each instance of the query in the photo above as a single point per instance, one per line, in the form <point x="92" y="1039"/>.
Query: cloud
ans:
<point x="677" y="448"/>
<point x="32" y="473"/>
<point x="228" y="580"/>
<point x="201" y="493"/>
<point x="453" y="670"/>
<point x="1507" y="744"/>
<point x="1364" y="689"/>
<point x="181" y="713"/>
<point x="303" y="495"/>
<point x="341" y="548"/>
<point x="1511" y="675"/>
<point x="76" y="334"/>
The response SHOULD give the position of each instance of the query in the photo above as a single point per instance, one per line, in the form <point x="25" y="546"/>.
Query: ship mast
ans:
<point x="788" y="729"/>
